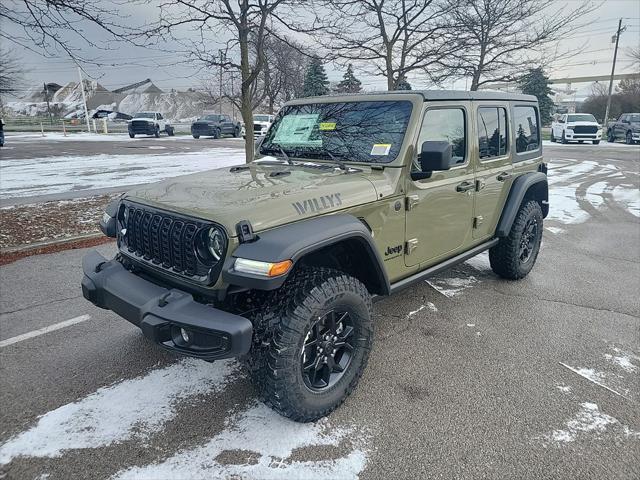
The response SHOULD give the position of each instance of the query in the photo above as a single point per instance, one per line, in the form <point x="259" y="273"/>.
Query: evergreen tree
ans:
<point x="536" y="83"/>
<point x="315" y="80"/>
<point x="349" y="83"/>
<point x="403" y="84"/>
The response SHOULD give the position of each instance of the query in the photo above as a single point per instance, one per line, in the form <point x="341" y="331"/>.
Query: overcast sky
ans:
<point x="132" y="64"/>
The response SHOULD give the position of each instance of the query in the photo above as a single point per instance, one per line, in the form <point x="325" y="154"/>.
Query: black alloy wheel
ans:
<point x="528" y="240"/>
<point x="327" y="351"/>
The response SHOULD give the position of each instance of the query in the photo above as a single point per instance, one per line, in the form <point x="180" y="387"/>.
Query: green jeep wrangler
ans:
<point x="351" y="198"/>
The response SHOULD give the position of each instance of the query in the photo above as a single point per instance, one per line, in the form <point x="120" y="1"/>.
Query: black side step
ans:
<point x="431" y="271"/>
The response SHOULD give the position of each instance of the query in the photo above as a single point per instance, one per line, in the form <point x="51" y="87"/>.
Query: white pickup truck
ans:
<point x="576" y="127"/>
<point x="149" y="123"/>
<point x="261" y="123"/>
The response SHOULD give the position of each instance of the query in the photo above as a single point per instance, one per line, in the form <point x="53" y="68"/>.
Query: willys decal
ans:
<point x="317" y="204"/>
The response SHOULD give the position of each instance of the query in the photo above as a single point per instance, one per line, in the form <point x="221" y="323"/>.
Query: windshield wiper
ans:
<point x="281" y="150"/>
<point x="337" y="161"/>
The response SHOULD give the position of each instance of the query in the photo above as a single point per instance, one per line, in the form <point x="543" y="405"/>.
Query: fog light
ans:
<point x="185" y="335"/>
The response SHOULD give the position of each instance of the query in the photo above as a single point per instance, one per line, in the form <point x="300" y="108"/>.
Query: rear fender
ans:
<point x="530" y="186"/>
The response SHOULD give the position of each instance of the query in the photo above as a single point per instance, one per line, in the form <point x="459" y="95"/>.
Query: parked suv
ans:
<point x="353" y="198"/>
<point x="578" y="127"/>
<point x="215" y="126"/>
<point x="149" y="123"/>
<point x="626" y="127"/>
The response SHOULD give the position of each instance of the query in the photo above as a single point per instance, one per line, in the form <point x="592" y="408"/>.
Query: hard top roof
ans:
<point x="435" y="95"/>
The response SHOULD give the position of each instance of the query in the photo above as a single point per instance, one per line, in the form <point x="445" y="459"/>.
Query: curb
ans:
<point x="49" y="243"/>
<point x="10" y="255"/>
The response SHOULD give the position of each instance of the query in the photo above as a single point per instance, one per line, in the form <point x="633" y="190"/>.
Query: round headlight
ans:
<point x="215" y="242"/>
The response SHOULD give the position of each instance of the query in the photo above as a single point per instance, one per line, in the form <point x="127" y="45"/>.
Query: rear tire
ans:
<point x="552" y="138"/>
<point x="170" y="131"/>
<point x="610" y="137"/>
<point x="318" y="321"/>
<point x="514" y="256"/>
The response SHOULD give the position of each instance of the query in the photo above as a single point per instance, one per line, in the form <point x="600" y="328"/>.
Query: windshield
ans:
<point x="143" y="115"/>
<point x="634" y="118"/>
<point x="262" y="118"/>
<point x="209" y="118"/>
<point x="369" y="132"/>
<point x="587" y="117"/>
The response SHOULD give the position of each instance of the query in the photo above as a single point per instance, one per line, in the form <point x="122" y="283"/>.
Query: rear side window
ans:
<point x="446" y="124"/>
<point x="492" y="132"/>
<point x="525" y="122"/>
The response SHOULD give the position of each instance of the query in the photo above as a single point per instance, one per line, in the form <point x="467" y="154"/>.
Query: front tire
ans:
<point x="312" y="343"/>
<point x="216" y="133"/>
<point x="514" y="256"/>
<point x="553" y="139"/>
<point x="611" y="138"/>
<point x="132" y="135"/>
<point x="629" y="139"/>
<point x="563" y="140"/>
<point x="157" y="132"/>
<point x="236" y="132"/>
<point x="596" y="142"/>
<point x="196" y="136"/>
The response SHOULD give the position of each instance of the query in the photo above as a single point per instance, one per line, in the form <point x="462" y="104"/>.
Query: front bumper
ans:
<point x="569" y="135"/>
<point x="161" y="313"/>
<point x="203" y="130"/>
<point x="142" y="129"/>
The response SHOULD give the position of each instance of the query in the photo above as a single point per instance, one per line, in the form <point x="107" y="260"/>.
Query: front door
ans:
<point x="494" y="169"/>
<point x="440" y="208"/>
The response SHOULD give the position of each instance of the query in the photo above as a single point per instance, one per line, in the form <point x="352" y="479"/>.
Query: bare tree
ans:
<point x="499" y="39"/>
<point x="634" y="55"/>
<point x="48" y="26"/>
<point x="244" y="23"/>
<point x="284" y="71"/>
<point x="391" y="38"/>
<point x="11" y="73"/>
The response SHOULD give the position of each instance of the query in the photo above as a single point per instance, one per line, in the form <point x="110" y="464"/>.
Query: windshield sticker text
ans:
<point x="381" y="149"/>
<point x="317" y="204"/>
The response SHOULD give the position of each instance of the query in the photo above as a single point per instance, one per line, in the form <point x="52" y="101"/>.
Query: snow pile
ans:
<point x="173" y="105"/>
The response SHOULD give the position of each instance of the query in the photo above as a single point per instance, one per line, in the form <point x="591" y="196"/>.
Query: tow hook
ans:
<point x="162" y="301"/>
<point x="99" y="267"/>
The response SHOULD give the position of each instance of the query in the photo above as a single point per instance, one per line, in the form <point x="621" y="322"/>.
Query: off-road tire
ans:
<point x="281" y="324"/>
<point x="596" y="142"/>
<point x="505" y="256"/>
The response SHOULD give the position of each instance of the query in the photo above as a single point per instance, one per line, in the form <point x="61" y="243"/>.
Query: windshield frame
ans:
<point x="205" y="119"/>
<point x="414" y="110"/>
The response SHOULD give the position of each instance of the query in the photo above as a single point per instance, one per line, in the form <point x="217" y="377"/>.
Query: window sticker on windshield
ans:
<point x="327" y="126"/>
<point x="297" y="129"/>
<point x="380" y="149"/>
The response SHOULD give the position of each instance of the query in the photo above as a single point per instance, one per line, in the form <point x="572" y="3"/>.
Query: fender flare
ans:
<point x="294" y="241"/>
<point x="519" y="189"/>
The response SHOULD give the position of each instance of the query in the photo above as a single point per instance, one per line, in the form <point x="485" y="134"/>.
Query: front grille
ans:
<point x="257" y="127"/>
<point x="164" y="240"/>
<point x="201" y="127"/>
<point x="141" y="126"/>
<point x="585" y="129"/>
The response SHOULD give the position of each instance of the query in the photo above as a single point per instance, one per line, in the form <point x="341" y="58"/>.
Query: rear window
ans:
<point x="525" y="122"/>
<point x="492" y="132"/>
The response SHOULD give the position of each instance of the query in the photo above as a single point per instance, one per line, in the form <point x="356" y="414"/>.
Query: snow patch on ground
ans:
<point x="85" y="137"/>
<point x="130" y="409"/>
<point x="629" y="197"/>
<point x="588" y="420"/>
<point x="268" y="441"/>
<point x="452" y="286"/>
<point x="41" y="176"/>
<point x="623" y="359"/>
<point x="420" y="308"/>
<point x="480" y="262"/>
<point x="556" y="230"/>
<point x="564" y="388"/>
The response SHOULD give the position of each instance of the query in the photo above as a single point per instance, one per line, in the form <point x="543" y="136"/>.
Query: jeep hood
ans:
<point x="266" y="194"/>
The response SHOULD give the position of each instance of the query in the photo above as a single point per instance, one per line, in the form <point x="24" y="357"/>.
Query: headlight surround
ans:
<point x="211" y="245"/>
<point x="262" y="269"/>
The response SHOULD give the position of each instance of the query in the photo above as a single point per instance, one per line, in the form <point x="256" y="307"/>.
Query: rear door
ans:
<point x="440" y="208"/>
<point x="493" y="169"/>
<point x="620" y="127"/>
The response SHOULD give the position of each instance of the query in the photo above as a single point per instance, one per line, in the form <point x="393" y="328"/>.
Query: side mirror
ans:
<point x="435" y="156"/>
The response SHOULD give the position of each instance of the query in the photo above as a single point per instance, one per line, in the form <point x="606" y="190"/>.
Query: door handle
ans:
<point x="464" y="186"/>
<point x="503" y="176"/>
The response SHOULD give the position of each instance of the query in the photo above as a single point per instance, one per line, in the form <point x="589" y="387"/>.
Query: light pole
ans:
<point x="222" y="59"/>
<point x="613" y="70"/>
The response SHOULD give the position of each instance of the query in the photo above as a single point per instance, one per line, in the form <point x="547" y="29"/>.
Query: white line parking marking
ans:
<point x="42" y="331"/>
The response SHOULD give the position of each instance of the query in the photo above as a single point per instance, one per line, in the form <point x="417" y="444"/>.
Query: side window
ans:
<point x="446" y="124"/>
<point x="492" y="132"/>
<point x="160" y="116"/>
<point x="525" y="122"/>
<point x="224" y="118"/>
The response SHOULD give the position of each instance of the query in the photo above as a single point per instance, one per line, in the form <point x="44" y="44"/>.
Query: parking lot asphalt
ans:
<point x="470" y="376"/>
